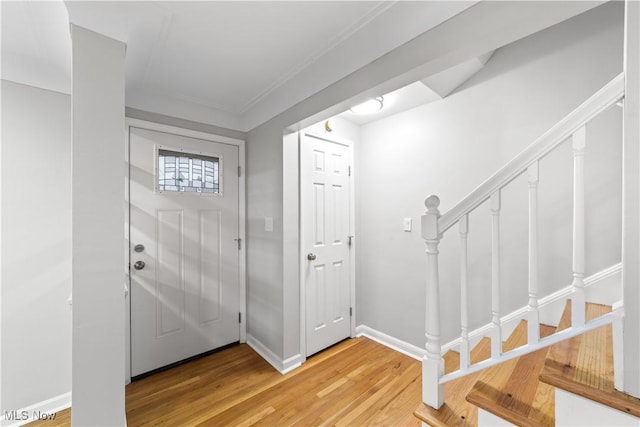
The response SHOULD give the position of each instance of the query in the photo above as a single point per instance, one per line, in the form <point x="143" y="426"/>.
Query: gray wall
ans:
<point x="36" y="241"/>
<point x="450" y="146"/>
<point x="36" y="245"/>
<point x="265" y="307"/>
<point x="98" y="159"/>
<point x="274" y="311"/>
<point x="479" y="29"/>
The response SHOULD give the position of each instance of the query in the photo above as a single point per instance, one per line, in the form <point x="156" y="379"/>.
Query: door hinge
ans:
<point x="239" y="317"/>
<point x="349" y="170"/>
<point x="239" y="171"/>
<point x="239" y="240"/>
<point x="350" y="311"/>
<point x="350" y="240"/>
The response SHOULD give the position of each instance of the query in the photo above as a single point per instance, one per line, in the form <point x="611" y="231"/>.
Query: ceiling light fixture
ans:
<point x="371" y="106"/>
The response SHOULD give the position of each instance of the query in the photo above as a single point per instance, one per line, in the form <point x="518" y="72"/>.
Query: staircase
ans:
<point x="502" y="375"/>
<point x="522" y="391"/>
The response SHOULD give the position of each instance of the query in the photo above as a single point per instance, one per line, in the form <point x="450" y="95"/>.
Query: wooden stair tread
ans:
<point x="456" y="411"/>
<point x="583" y="365"/>
<point x="511" y="390"/>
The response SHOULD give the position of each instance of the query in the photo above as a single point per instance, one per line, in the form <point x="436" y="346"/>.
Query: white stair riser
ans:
<point x="487" y="419"/>
<point x="574" y="410"/>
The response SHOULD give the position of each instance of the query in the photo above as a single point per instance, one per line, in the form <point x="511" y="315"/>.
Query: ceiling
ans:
<point x="36" y="46"/>
<point x="231" y="64"/>
<point x="430" y="89"/>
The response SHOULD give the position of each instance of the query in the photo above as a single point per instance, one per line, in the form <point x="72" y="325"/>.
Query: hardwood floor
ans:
<point x="355" y="383"/>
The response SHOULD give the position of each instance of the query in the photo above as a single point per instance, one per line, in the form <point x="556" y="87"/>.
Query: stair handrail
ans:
<point x="609" y="94"/>
<point x="434" y="225"/>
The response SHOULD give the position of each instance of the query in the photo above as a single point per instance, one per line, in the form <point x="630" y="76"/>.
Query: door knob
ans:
<point x="311" y="257"/>
<point x="139" y="265"/>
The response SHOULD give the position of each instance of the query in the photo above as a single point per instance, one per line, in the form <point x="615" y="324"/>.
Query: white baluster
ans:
<point x="577" y="297"/>
<point x="533" y="320"/>
<point x="464" y="282"/>
<point x="432" y="364"/>
<point x="496" y="338"/>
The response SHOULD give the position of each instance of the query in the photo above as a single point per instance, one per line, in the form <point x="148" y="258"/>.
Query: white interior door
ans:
<point x="184" y="250"/>
<point x="326" y="218"/>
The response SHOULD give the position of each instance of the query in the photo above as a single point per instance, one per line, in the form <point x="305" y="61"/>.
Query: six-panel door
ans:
<point x="325" y="185"/>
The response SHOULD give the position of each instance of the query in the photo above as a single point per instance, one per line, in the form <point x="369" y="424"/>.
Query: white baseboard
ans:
<point x="280" y="365"/>
<point x="41" y="410"/>
<point x="391" y="342"/>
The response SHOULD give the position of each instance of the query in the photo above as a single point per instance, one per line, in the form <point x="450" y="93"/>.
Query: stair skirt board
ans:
<point x="38" y="411"/>
<point x="603" y="287"/>
<point x="574" y="410"/>
<point x="280" y="365"/>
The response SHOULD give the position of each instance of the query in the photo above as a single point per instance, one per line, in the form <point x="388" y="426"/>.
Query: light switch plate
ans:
<point x="268" y="223"/>
<point x="407" y="224"/>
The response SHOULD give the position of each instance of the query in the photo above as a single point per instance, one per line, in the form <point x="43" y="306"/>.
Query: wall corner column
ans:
<point x="98" y="349"/>
<point x="631" y="200"/>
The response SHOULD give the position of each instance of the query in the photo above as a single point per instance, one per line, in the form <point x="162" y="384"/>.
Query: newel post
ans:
<point x="432" y="364"/>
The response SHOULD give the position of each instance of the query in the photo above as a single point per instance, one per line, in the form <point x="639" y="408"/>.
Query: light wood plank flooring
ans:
<point x="355" y="383"/>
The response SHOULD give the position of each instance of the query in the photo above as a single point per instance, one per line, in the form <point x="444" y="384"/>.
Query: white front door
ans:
<point x="326" y="219"/>
<point x="184" y="249"/>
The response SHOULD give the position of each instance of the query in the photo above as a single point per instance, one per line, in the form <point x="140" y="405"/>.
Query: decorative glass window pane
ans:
<point x="186" y="172"/>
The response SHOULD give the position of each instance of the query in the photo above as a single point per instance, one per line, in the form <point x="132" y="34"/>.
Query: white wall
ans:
<point x="97" y="229"/>
<point x="449" y="147"/>
<point x="36" y="245"/>
<point x="631" y="214"/>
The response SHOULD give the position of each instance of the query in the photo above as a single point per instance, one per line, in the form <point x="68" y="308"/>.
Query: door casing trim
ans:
<point x="242" y="256"/>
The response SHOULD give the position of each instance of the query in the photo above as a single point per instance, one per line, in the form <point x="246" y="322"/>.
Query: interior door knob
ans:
<point x="311" y="257"/>
<point x="139" y="265"/>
